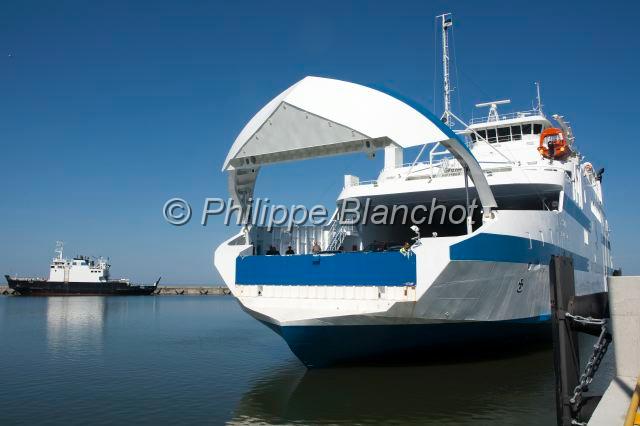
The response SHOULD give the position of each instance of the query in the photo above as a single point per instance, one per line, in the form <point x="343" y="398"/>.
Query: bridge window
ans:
<point x="491" y="135"/>
<point x="516" y="133"/>
<point x="537" y="129"/>
<point x="526" y="129"/>
<point x="504" y="134"/>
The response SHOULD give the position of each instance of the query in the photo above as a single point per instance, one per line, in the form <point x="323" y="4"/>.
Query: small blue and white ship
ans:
<point x="460" y="284"/>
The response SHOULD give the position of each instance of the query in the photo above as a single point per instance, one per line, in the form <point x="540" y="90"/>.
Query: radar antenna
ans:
<point x="493" y="108"/>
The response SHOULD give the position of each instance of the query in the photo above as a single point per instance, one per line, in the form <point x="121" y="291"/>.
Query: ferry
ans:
<point x="458" y="285"/>
<point x="79" y="276"/>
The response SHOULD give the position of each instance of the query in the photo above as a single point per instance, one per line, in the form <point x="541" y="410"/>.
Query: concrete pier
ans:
<point x="192" y="291"/>
<point x="624" y="305"/>
<point x="173" y="290"/>
<point x="5" y="290"/>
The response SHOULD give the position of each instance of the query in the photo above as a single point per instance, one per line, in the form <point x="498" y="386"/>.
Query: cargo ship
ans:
<point x="81" y="275"/>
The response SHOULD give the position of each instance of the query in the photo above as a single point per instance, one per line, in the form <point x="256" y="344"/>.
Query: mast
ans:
<point x="446" y="21"/>
<point x="539" y="99"/>
<point x="59" y="249"/>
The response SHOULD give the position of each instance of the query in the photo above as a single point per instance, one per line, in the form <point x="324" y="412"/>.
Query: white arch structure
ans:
<point x="320" y="117"/>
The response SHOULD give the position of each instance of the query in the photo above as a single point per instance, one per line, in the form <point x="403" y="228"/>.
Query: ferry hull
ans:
<point x="322" y="346"/>
<point x="29" y="287"/>
<point x="464" y="296"/>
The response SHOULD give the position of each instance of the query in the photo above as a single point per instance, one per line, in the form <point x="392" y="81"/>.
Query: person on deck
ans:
<point x="272" y="251"/>
<point x="316" y="248"/>
<point x="289" y="251"/>
<point x="405" y="250"/>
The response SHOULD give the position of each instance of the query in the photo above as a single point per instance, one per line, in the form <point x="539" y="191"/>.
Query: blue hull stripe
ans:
<point x="321" y="346"/>
<point x="390" y="268"/>
<point x="507" y="248"/>
<point x="576" y="212"/>
<point x="340" y="269"/>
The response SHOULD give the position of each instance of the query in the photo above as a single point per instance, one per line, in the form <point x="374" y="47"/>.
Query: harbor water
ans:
<point x="201" y="359"/>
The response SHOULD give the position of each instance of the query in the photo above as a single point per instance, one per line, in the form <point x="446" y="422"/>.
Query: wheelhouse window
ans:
<point x="491" y="135"/>
<point x="537" y="129"/>
<point x="516" y="133"/>
<point x="504" y="134"/>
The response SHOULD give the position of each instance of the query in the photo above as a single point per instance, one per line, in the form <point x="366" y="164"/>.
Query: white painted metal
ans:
<point x="79" y="269"/>
<point x="321" y="116"/>
<point x="318" y="117"/>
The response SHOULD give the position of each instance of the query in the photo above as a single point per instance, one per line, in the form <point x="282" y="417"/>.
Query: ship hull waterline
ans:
<point x="320" y="346"/>
<point x="47" y="288"/>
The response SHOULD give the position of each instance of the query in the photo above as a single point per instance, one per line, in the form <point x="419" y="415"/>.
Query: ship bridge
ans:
<point x="508" y="127"/>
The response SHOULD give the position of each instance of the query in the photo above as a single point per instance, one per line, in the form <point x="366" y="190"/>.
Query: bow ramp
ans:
<point x="319" y="117"/>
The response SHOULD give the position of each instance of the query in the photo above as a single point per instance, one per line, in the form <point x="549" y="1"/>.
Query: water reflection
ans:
<point x="75" y="323"/>
<point x="505" y="391"/>
<point x="201" y="360"/>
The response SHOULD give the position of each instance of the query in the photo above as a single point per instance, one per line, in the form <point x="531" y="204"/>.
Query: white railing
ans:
<point x="508" y="116"/>
<point x="447" y="168"/>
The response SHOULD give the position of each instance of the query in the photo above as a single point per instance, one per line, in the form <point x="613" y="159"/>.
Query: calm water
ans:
<point x="202" y="360"/>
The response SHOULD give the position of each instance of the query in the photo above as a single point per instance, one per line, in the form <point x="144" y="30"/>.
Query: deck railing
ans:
<point x="508" y="116"/>
<point x="448" y="168"/>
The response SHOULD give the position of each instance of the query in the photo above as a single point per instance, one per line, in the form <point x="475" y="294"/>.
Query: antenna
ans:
<point x="493" y="108"/>
<point x="447" y="22"/>
<point x="539" y="107"/>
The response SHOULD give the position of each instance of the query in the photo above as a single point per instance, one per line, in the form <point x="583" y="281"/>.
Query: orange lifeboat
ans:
<point x="553" y="144"/>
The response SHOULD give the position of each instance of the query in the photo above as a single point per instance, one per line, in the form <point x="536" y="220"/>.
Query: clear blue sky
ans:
<point x="107" y="109"/>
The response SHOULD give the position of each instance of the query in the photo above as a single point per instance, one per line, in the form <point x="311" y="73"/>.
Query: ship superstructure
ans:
<point x="461" y="283"/>
<point x="78" y="269"/>
<point x="81" y="275"/>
